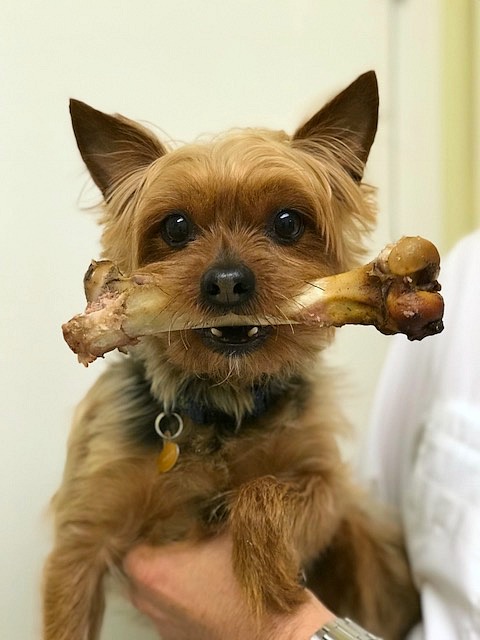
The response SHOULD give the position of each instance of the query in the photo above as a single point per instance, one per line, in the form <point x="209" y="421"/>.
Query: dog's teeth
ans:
<point x="216" y="332"/>
<point x="253" y="332"/>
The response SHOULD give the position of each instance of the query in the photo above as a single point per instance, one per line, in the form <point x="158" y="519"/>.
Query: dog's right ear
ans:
<point x="112" y="147"/>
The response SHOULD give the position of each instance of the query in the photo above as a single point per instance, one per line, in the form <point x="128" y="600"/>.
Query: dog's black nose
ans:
<point x="227" y="287"/>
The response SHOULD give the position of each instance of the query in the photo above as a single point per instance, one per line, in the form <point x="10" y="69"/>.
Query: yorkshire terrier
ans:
<point x="235" y="225"/>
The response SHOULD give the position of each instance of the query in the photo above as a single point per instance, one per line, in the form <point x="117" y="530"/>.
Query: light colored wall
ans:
<point x="460" y="109"/>
<point x="411" y="196"/>
<point x="189" y="67"/>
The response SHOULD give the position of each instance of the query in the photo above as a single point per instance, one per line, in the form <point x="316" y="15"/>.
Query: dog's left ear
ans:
<point x="348" y="122"/>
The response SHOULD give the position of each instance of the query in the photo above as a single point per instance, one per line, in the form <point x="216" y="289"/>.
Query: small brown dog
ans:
<point x="235" y="225"/>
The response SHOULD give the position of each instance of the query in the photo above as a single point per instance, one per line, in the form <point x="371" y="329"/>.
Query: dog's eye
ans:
<point x="176" y="229"/>
<point x="288" y="225"/>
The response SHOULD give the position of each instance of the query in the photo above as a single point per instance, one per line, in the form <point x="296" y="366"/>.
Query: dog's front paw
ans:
<point x="265" y="560"/>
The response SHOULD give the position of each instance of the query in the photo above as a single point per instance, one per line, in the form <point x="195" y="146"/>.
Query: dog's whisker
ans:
<point x="228" y="376"/>
<point x="290" y="300"/>
<point x="313" y="284"/>
<point x="286" y="318"/>
<point x="293" y="299"/>
<point x="185" y="342"/>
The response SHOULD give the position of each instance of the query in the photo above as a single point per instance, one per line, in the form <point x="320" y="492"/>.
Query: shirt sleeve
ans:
<point x="423" y="454"/>
<point x="441" y="515"/>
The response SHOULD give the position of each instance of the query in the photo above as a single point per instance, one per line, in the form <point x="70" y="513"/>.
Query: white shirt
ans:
<point x="424" y="452"/>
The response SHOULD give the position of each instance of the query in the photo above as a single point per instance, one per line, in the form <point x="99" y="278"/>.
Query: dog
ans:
<point x="234" y="225"/>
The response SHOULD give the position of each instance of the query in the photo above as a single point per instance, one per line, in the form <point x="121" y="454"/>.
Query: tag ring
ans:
<point x="167" y="435"/>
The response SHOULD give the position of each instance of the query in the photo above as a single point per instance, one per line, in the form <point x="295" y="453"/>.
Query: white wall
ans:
<point x="190" y="68"/>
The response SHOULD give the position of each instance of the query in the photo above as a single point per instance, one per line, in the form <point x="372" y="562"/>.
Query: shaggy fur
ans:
<point x="259" y="451"/>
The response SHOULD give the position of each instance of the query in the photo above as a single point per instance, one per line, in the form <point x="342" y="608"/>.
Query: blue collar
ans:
<point x="264" y="399"/>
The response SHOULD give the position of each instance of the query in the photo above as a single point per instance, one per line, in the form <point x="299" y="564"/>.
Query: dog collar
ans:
<point x="265" y="399"/>
<point x="199" y="413"/>
<point x="169" y="425"/>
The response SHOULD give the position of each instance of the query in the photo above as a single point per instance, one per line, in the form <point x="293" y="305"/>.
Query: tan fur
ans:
<point x="276" y="481"/>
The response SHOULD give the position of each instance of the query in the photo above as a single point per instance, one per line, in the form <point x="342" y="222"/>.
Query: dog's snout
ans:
<point x="227" y="287"/>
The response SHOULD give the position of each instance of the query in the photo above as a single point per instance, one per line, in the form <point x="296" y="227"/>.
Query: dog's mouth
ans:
<point x="234" y="341"/>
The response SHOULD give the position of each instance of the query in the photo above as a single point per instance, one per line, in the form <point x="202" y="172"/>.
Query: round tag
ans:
<point x="168" y="456"/>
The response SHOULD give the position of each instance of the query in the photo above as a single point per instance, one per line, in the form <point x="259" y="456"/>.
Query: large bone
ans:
<point x="397" y="293"/>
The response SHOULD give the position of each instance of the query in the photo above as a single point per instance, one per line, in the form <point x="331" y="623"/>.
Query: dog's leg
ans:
<point x="279" y="526"/>
<point x="98" y="518"/>
<point x="73" y="592"/>
<point x="364" y="574"/>
<point x="97" y="510"/>
<point x="268" y="520"/>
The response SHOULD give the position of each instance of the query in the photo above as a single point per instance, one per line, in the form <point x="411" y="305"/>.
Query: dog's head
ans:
<point x="236" y="225"/>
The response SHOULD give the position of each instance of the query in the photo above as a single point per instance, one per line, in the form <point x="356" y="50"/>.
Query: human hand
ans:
<point x="189" y="591"/>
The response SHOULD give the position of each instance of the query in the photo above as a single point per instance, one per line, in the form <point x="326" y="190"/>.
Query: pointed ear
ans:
<point x="350" y="120"/>
<point x="112" y="147"/>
